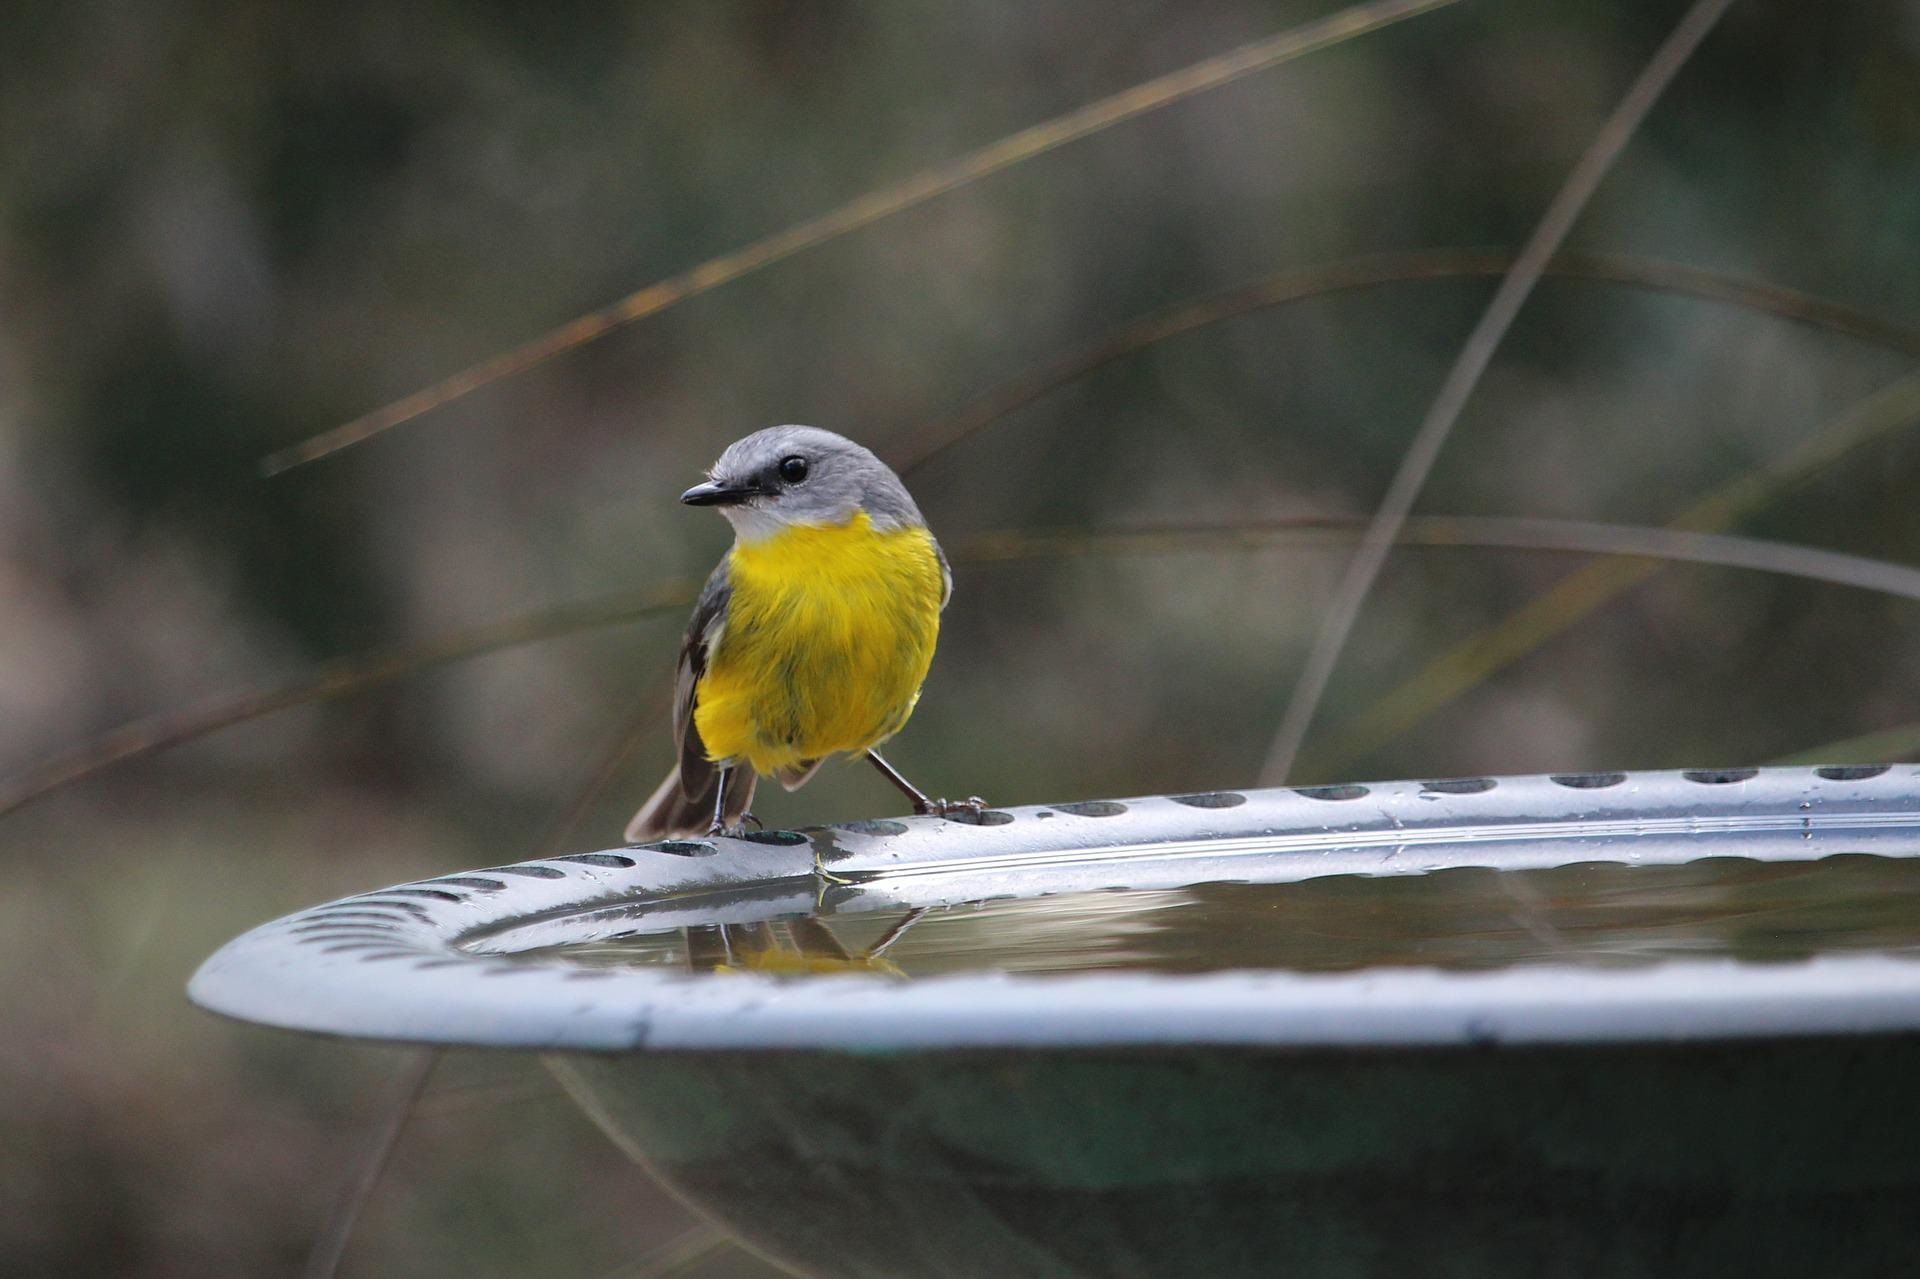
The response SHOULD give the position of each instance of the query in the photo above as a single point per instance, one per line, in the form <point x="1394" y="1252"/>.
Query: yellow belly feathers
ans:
<point x="828" y="637"/>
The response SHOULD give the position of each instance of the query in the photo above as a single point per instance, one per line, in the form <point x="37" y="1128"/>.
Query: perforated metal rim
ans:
<point x="422" y="961"/>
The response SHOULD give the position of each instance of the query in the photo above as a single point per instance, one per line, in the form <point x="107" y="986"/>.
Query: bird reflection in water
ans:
<point x="791" y="948"/>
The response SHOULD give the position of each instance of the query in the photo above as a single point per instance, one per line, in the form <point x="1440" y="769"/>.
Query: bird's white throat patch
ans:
<point x="754" y="523"/>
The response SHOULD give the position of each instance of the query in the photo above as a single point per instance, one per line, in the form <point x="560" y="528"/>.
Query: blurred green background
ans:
<point x="224" y="227"/>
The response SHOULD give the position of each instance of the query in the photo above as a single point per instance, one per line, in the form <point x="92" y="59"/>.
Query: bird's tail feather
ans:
<point x="670" y="812"/>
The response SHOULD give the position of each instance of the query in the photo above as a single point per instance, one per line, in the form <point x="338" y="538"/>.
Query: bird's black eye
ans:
<point x="793" y="469"/>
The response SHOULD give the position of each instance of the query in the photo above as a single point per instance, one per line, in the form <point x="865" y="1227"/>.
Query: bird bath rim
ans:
<point x="422" y="962"/>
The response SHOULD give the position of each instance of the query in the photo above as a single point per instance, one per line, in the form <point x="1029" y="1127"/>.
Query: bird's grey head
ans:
<point x="788" y="475"/>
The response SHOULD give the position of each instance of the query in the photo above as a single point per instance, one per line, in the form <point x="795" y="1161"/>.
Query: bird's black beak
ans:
<point x="721" y="493"/>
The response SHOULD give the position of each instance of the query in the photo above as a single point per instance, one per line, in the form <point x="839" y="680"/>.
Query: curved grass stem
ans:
<point x="920" y="445"/>
<point x="1629" y="545"/>
<point x="634" y="727"/>
<point x="410" y="1080"/>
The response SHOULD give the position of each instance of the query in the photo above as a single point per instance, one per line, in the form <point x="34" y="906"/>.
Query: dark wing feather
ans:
<point x="703" y="630"/>
<point x="794" y="776"/>
<point x="946" y="573"/>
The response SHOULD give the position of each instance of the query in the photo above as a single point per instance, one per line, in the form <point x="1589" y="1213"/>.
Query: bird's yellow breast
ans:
<point x="828" y="636"/>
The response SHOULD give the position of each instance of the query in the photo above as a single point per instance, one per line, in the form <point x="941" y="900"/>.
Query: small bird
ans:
<point x="811" y="638"/>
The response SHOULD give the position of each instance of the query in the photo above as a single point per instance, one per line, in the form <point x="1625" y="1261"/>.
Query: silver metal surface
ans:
<point x="423" y="961"/>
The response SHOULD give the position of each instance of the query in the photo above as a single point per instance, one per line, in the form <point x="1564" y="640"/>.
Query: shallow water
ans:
<point x="1597" y="914"/>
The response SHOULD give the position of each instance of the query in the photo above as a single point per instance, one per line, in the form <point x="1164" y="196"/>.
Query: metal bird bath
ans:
<point x="1607" y="1024"/>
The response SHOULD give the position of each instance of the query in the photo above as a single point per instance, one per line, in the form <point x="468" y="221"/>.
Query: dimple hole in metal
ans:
<point x="779" y="838"/>
<point x="1459" y="785"/>
<point x="1588" y="781"/>
<point x="879" y="827"/>
<point x="416" y="913"/>
<point x="470" y="881"/>
<point x="435" y="893"/>
<point x="1719" y="776"/>
<point x="1852" y="773"/>
<point x="684" y="848"/>
<point x="531" y="872"/>
<point x="1211" y="799"/>
<point x="357" y="906"/>
<point x="614" y="860"/>
<point x="985" y="817"/>
<point x="1331" y="792"/>
<point x="347" y="916"/>
<point x="1093" y="808"/>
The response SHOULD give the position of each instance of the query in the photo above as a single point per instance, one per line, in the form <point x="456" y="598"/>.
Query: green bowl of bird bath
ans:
<point x="1607" y="1024"/>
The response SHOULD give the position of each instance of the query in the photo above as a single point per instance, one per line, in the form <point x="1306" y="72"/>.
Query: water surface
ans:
<point x="1597" y="914"/>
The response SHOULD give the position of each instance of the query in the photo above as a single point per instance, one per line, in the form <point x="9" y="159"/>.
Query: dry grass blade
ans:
<point x="920" y="445"/>
<point x="333" y="680"/>
<point x="1635" y="546"/>
<point x="1154" y="94"/>
<point x="1475" y="355"/>
<point x="1588" y="589"/>
<point x="331" y="1245"/>
<point x="495" y="1095"/>
<point x="677" y="1256"/>
<point x="640" y="721"/>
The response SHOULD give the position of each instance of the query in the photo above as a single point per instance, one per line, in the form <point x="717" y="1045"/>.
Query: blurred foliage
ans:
<point x="224" y="227"/>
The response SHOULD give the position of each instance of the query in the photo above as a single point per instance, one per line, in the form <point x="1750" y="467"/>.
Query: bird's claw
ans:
<point x="736" y="832"/>
<point x="973" y="805"/>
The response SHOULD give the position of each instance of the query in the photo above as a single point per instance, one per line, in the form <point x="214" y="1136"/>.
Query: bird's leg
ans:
<point x="719" y="826"/>
<point x="895" y="933"/>
<point x="921" y="804"/>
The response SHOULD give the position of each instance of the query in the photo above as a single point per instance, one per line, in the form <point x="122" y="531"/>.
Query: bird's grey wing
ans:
<point x="946" y="572"/>
<point x="703" y="632"/>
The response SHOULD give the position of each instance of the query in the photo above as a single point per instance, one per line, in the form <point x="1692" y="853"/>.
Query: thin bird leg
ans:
<point x="895" y="933"/>
<point x="921" y="804"/>
<point x="719" y="826"/>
